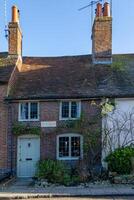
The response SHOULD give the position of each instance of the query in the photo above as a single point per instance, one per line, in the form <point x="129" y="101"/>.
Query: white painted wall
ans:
<point x="118" y="125"/>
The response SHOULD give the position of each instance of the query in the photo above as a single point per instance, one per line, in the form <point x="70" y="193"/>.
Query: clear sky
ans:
<point x="56" y="27"/>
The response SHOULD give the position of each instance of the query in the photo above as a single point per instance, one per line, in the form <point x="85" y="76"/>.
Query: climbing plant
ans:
<point x="21" y="129"/>
<point x="106" y="105"/>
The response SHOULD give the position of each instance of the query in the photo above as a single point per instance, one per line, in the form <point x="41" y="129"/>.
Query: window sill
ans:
<point x="28" y="120"/>
<point x="69" y="158"/>
<point x="69" y="119"/>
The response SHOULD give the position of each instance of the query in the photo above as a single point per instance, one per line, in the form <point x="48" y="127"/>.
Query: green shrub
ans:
<point x="21" y="129"/>
<point x="53" y="171"/>
<point x="120" y="160"/>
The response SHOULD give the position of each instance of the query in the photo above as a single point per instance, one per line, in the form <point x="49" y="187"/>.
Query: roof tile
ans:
<point x="74" y="77"/>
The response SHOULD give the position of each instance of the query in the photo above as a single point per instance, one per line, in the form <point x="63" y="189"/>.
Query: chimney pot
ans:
<point x="106" y="10"/>
<point x="15" y="14"/>
<point x="99" y="10"/>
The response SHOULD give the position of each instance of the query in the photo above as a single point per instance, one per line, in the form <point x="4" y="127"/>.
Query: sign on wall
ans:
<point x="48" y="124"/>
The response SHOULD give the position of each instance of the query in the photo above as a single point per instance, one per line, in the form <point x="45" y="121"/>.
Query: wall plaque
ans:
<point x="48" y="124"/>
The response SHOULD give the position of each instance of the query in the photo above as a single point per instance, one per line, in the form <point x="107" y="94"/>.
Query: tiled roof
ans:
<point x="74" y="77"/>
<point x="6" y="67"/>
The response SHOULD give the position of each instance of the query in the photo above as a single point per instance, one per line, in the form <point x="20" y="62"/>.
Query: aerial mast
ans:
<point x="91" y="4"/>
<point x="5" y="19"/>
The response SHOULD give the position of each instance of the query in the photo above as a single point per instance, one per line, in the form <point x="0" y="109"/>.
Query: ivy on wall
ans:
<point x="22" y="129"/>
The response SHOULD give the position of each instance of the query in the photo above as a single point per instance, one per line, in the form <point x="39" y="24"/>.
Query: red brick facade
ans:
<point x="3" y="130"/>
<point x="49" y="111"/>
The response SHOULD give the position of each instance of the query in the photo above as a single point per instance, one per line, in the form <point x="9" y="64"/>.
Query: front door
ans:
<point x="28" y="155"/>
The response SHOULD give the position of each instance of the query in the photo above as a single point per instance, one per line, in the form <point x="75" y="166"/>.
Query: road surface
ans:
<point x="101" y="198"/>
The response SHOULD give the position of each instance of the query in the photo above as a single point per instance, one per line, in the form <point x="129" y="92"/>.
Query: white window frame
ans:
<point x="70" y="118"/>
<point x="29" y="106"/>
<point x="70" y="157"/>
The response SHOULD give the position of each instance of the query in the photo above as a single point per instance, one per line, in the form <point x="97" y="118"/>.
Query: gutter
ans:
<point x="55" y="98"/>
<point x="43" y="99"/>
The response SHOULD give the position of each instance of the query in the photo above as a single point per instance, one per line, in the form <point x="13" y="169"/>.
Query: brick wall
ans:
<point x="3" y="131"/>
<point x="15" y="39"/>
<point x="49" y="111"/>
<point x="102" y="40"/>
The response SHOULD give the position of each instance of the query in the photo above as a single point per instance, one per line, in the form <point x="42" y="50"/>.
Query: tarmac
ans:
<point x="24" y="189"/>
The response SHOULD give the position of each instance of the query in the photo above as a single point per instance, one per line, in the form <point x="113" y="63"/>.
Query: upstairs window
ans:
<point x="29" y="111"/>
<point x="70" y="110"/>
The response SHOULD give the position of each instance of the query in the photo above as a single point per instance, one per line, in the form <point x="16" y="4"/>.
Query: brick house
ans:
<point x="49" y="92"/>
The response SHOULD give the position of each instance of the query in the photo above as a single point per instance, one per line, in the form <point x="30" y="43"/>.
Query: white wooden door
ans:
<point x="28" y="155"/>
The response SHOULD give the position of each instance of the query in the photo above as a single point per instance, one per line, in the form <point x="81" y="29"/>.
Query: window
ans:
<point x="69" y="147"/>
<point x="69" y="110"/>
<point x="29" y="111"/>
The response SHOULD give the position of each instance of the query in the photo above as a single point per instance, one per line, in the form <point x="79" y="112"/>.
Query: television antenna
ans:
<point x="5" y="19"/>
<point x="92" y="3"/>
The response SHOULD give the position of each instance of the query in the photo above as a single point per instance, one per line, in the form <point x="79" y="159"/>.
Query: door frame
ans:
<point x="18" y="141"/>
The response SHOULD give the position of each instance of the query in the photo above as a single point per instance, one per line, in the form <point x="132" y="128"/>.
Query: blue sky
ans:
<point x="56" y="27"/>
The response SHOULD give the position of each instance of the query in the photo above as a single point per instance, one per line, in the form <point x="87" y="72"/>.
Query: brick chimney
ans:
<point x="15" y="34"/>
<point x="102" y="35"/>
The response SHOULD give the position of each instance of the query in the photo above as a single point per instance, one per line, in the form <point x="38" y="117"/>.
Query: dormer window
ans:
<point x="29" y="111"/>
<point x="70" y="110"/>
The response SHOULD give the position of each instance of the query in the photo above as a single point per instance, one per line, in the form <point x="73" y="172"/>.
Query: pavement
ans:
<point x="85" y="198"/>
<point x="24" y="188"/>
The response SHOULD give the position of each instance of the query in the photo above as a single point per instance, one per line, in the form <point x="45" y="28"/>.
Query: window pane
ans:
<point x="63" y="146"/>
<point x="24" y="111"/>
<point x="74" y="110"/>
<point x="75" y="146"/>
<point x="34" y="111"/>
<point x="65" y="109"/>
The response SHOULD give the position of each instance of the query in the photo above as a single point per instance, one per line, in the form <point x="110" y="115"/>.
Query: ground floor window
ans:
<point x="69" y="147"/>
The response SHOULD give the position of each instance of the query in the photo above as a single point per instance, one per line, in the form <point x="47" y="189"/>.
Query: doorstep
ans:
<point x="7" y="182"/>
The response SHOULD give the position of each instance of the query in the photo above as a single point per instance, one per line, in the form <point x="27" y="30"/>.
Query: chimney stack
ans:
<point x="15" y="34"/>
<point x="102" y="35"/>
